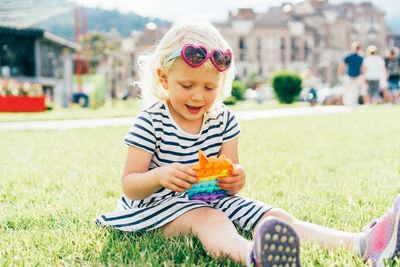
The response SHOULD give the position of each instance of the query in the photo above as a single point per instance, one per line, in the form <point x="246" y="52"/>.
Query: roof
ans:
<point x="21" y="31"/>
<point x="273" y="17"/>
<point x="152" y="36"/>
<point x="38" y="33"/>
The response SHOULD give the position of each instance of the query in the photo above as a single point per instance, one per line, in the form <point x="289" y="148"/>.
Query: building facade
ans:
<point x="37" y="56"/>
<point x="312" y="34"/>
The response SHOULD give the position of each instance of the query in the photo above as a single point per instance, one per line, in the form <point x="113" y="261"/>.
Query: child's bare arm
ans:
<point x="138" y="182"/>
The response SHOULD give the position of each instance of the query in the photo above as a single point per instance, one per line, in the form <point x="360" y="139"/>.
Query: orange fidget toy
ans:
<point x="209" y="169"/>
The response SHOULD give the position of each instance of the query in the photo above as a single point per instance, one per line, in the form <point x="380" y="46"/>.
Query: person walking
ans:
<point x="373" y="68"/>
<point x="351" y="81"/>
<point x="392" y="64"/>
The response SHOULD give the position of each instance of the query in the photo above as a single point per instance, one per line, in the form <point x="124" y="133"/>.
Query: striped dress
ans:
<point x="156" y="132"/>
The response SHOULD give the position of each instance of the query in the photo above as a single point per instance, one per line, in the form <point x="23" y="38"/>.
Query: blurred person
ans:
<point x="351" y="81"/>
<point x="373" y="68"/>
<point x="392" y="64"/>
<point x="310" y="83"/>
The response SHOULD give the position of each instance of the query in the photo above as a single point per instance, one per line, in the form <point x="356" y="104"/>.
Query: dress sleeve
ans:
<point x="232" y="128"/>
<point x="142" y="133"/>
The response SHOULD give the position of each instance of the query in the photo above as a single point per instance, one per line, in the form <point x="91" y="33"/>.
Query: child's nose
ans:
<point x="197" y="96"/>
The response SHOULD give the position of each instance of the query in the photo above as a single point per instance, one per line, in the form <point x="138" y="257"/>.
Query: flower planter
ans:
<point x="22" y="104"/>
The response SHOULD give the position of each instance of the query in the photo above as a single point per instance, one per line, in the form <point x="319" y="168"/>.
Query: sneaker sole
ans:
<point x="279" y="246"/>
<point x="393" y="248"/>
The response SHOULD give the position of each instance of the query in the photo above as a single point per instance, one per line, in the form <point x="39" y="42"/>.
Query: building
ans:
<point x="393" y="40"/>
<point x="264" y="43"/>
<point x="38" y="56"/>
<point x="311" y="34"/>
<point x="121" y="66"/>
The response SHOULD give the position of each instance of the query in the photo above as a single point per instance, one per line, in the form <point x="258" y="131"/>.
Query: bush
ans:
<point x="230" y="100"/>
<point x="287" y="86"/>
<point x="238" y="90"/>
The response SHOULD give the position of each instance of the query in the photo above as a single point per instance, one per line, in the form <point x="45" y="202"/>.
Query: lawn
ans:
<point x="341" y="171"/>
<point x="120" y="108"/>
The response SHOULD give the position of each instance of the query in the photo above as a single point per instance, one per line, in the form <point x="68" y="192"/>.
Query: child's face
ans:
<point x="192" y="91"/>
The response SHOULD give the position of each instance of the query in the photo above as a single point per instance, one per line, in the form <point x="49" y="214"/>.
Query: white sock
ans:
<point x="360" y="244"/>
<point x="249" y="262"/>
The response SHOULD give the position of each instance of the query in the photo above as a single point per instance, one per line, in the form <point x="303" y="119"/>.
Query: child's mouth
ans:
<point x="193" y="109"/>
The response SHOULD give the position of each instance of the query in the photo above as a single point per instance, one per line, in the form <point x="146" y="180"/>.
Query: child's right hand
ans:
<point x="177" y="177"/>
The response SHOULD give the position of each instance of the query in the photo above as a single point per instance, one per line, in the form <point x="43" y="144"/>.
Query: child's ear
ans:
<point x="162" y="77"/>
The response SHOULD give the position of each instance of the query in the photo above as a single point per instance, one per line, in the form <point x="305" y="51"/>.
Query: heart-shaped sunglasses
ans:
<point x="195" y="56"/>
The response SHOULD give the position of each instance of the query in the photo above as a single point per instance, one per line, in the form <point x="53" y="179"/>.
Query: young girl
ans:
<point x="186" y="79"/>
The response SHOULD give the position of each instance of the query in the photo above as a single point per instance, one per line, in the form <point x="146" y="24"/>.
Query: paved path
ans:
<point x="127" y="121"/>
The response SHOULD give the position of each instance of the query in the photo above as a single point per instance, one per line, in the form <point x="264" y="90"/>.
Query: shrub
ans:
<point x="230" y="100"/>
<point x="287" y="86"/>
<point x="238" y="90"/>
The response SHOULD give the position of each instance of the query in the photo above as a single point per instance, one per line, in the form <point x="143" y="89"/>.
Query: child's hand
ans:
<point x="177" y="177"/>
<point x="233" y="183"/>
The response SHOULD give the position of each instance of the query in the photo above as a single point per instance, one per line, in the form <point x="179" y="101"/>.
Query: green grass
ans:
<point x="340" y="171"/>
<point x="120" y="109"/>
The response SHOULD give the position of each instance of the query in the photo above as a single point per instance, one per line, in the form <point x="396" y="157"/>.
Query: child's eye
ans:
<point x="209" y="88"/>
<point x="186" y="86"/>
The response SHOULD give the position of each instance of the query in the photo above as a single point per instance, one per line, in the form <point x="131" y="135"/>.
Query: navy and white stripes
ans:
<point x="243" y="212"/>
<point x="156" y="132"/>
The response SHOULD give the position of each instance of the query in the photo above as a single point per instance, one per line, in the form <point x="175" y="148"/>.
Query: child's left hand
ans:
<point x="233" y="183"/>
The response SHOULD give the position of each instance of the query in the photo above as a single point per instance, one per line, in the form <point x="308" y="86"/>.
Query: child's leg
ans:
<point x="324" y="236"/>
<point x="275" y="242"/>
<point x="379" y="243"/>
<point x="215" y="231"/>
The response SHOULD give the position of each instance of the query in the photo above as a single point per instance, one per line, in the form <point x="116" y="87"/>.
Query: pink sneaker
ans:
<point x="383" y="237"/>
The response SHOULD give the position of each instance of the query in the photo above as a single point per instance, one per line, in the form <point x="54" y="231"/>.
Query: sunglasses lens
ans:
<point x="195" y="55"/>
<point x="222" y="59"/>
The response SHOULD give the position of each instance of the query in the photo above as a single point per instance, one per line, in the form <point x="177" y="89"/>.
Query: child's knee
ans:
<point x="211" y="220"/>
<point x="213" y="217"/>
<point x="281" y="214"/>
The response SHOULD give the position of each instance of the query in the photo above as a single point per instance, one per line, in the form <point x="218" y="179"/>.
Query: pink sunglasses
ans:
<point x="195" y="56"/>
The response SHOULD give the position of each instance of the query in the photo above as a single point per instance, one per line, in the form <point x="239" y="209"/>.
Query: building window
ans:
<point x="244" y="72"/>
<point x="259" y="43"/>
<point x="372" y="20"/>
<point x="241" y="43"/>
<point x="242" y="49"/>
<point x="295" y="50"/>
<point x="260" y="70"/>
<point x="306" y="50"/>
<point x="373" y="39"/>
<point x="282" y="50"/>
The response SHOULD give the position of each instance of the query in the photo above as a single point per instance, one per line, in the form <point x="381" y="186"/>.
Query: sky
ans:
<point x="214" y="10"/>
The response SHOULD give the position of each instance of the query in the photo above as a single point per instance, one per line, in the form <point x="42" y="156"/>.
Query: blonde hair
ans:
<point x="371" y="50"/>
<point x="355" y="46"/>
<point x="195" y="31"/>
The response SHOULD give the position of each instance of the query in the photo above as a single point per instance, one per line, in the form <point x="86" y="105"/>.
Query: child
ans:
<point x="186" y="79"/>
<point x="309" y="84"/>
